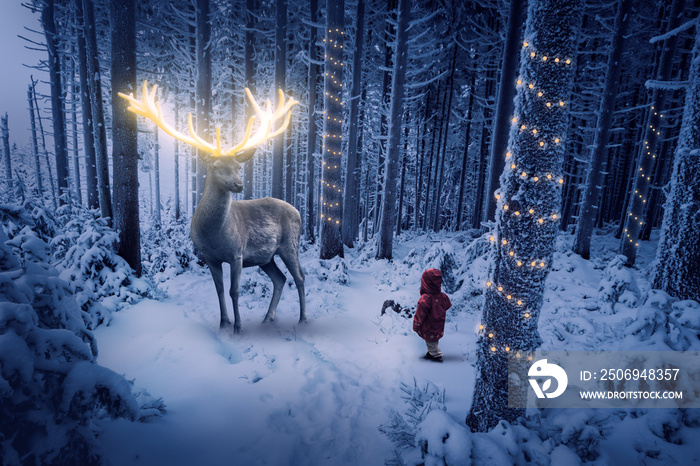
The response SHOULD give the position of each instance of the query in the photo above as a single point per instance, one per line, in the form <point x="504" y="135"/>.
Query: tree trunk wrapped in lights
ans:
<point x="677" y="267"/>
<point x="529" y="200"/>
<point x="634" y="220"/>
<point x="331" y="186"/>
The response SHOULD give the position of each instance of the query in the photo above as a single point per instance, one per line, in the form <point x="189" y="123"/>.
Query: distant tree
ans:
<point x="352" y="181"/>
<point x="35" y="144"/>
<point x="203" y="87"/>
<point x="311" y="133"/>
<point x="388" y="217"/>
<point x="249" y="73"/>
<point x="647" y="152"/>
<point x="593" y="185"/>
<point x="331" y="181"/>
<point x="94" y="82"/>
<point x="504" y="106"/>
<point x="677" y="267"/>
<point x="529" y="205"/>
<point x="124" y="129"/>
<point x="280" y="83"/>
<point x="57" y="108"/>
<point x="93" y="200"/>
<point x="7" y="155"/>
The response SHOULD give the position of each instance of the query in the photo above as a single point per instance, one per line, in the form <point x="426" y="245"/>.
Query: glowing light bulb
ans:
<point x="507" y="349"/>
<point x="541" y="264"/>
<point x="481" y="327"/>
<point x="549" y="104"/>
<point x="533" y="263"/>
<point x="532" y="211"/>
<point x="508" y="297"/>
<point x="539" y="94"/>
<point x="505" y="207"/>
<point x="519" y="263"/>
<point x="561" y="103"/>
<point x="556" y="60"/>
<point x="512" y="166"/>
<point x="525" y="44"/>
<point x="517" y="213"/>
<point x="536" y="178"/>
<point x="493" y="349"/>
<point x="541" y="143"/>
<point x="527" y="314"/>
<point x="488" y="283"/>
<point x="519" y="82"/>
<point x="534" y="131"/>
<point x="520" y="303"/>
<point x="549" y="177"/>
<point x="532" y="54"/>
<point x="530" y="86"/>
<point x="514" y="120"/>
<point x="544" y="58"/>
<point x="490" y="335"/>
<point x="512" y="253"/>
<point x="492" y="238"/>
<point x="541" y="220"/>
<point x="500" y="288"/>
<point x="498" y="196"/>
<point x="522" y="126"/>
<point x="568" y="62"/>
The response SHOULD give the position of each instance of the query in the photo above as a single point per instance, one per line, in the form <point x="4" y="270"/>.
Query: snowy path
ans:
<point x="276" y="394"/>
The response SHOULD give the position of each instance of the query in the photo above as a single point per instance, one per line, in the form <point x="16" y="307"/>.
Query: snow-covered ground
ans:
<point x="285" y="393"/>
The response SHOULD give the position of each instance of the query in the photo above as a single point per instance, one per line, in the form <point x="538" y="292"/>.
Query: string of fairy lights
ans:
<point x="629" y="236"/>
<point x="528" y="213"/>
<point x="332" y="137"/>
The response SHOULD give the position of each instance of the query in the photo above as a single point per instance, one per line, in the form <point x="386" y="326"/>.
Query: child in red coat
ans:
<point x="429" y="320"/>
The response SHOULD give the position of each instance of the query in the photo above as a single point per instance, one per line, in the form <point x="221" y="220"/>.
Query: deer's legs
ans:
<point x="218" y="275"/>
<point x="235" y="282"/>
<point x="292" y="263"/>
<point x="278" y="281"/>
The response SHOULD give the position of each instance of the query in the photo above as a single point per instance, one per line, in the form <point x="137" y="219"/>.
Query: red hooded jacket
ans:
<point x="429" y="320"/>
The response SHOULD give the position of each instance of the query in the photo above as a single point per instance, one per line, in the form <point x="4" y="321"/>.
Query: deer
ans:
<point x="243" y="233"/>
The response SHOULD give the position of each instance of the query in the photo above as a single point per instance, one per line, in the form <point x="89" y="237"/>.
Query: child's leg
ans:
<point x="434" y="348"/>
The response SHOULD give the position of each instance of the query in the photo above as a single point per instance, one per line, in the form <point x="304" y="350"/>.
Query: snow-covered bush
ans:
<point x="168" y="250"/>
<point x="85" y="253"/>
<point x="50" y="385"/>
<point x="618" y="285"/>
<point x="441" y="256"/>
<point x="667" y="322"/>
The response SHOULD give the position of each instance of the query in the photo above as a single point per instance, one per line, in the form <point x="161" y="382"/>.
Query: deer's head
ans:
<point x="223" y="165"/>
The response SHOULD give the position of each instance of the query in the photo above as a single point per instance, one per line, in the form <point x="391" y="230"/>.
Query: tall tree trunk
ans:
<point x="352" y="186"/>
<point x="311" y="135"/>
<point x="98" y="122"/>
<point x="52" y="185"/>
<point x="176" y="151"/>
<point x="74" y="127"/>
<point x="35" y="145"/>
<point x="203" y="87"/>
<point x="280" y="83"/>
<point x="528" y="207"/>
<point x="57" y="109"/>
<point x="591" y="189"/>
<point x="504" y="107"/>
<point x="677" y="266"/>
<point x="93" y="200"/>
<point x="446" y="118"/>
<point x="647" y="153"/>
<point x="124" y="141"/>
<point x="156" y="175"/>
<point x="332" y="199"/>
<point x="4" y="126"/>
<point x="465" y="155"/>
<point x="249" y="72"/>
<point x="388" y="217"/>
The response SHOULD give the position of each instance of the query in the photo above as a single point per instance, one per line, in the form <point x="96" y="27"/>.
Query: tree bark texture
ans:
<point x="527" y="213"/>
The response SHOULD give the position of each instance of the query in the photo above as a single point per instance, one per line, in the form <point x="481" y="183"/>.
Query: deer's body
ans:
<point x="245" y="234"/>
<point x="240" y="233"/>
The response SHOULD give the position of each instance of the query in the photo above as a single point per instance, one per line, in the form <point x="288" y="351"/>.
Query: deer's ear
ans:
<point x="246" y="155"/>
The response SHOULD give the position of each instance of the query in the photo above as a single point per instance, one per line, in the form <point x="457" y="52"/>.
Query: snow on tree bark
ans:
<point x="529" y="200"/>
<point x="592" y="187"/>
<point x="331" y="192"/>
<point x="57" y="110"/>
<point x="280" y="83"/>
<point x="124" y="142"/>
<point x="647" y="153"/>
<point x="677" y="267"/>
<point x="388" y="212"/>
<point x="352" y="185"/>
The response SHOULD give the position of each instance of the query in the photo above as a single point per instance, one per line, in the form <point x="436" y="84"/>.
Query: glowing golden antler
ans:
<point x="149" y="108"/>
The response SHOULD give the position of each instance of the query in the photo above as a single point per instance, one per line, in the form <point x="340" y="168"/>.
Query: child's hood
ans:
<point x="431" y="282"/>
